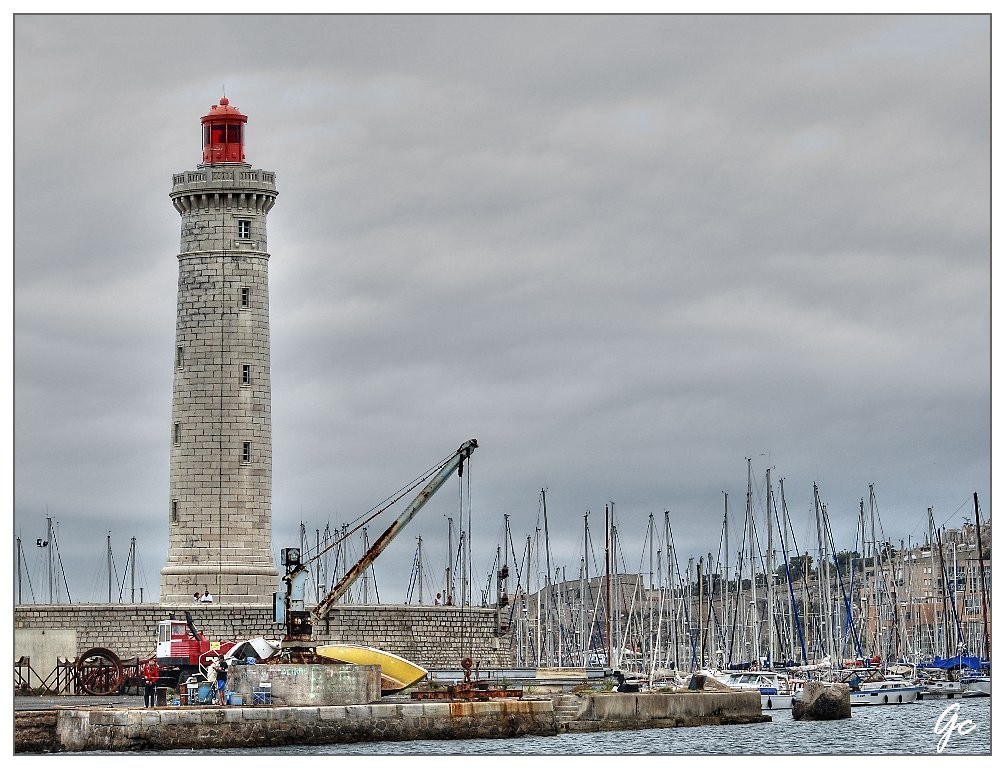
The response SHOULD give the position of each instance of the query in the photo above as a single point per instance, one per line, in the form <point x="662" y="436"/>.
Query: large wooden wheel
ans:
<point x="99" y="672"/>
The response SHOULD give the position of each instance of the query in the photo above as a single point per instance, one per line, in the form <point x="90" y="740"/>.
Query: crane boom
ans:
<point x="455" y="463"/>
<point x="290" y="610"/>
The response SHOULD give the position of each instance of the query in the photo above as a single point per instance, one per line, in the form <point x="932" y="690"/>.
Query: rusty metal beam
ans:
<point x="455" y="462"/>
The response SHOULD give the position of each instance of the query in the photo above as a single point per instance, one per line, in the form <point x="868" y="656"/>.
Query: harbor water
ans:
<point x="932" y="728"/>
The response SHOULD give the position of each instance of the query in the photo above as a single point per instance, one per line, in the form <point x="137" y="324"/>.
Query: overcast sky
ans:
<point x="623" y="253"/>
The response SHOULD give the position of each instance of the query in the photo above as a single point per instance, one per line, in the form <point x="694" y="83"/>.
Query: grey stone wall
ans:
<point x="625" y="711"/>
<point x="432" y="637"/>
<point x="244" y="727"/>
<point x="257" y="726"/>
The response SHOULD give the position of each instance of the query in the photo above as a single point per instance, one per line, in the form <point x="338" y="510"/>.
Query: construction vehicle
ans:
<point x="290" y="608"/>
<point x="183" y="651"/>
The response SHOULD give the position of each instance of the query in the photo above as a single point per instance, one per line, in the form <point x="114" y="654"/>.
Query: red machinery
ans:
<point x="182" y="650"/>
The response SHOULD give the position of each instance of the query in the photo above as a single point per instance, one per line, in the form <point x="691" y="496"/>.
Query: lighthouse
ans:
<point x="220" y="507"/>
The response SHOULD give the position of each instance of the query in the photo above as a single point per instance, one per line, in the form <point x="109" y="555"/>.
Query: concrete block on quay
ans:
<point x="330" y="713"/>
<point x="309" y="684"/>
<point x="435" y="709"/>
<point x="358" y="711"/>
<point x="620" y="711"/>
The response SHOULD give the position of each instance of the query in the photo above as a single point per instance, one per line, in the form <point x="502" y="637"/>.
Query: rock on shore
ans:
<point x="822" y="702"/>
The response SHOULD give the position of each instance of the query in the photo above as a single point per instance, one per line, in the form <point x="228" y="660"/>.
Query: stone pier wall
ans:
<point x="434" y="637"/>
<point x="624" y="711"/>
<point x="249" y="727"/>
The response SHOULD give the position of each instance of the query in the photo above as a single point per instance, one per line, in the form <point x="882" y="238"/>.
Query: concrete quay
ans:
<point x="124" y="728"/>
<point x="625" y="711"/>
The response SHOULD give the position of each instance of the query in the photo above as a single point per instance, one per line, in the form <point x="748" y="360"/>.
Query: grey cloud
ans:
<point x="624" y="252"/>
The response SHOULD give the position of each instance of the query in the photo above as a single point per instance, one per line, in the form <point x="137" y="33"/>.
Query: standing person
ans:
<point x="206" y="598"/>
<point x="197" y="598"/>
<point x="221" y="679"/>
<point x="439" y="598"/>
<point x="151" y="673"/>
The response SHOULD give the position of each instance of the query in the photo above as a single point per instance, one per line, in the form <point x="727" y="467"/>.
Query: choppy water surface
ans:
<point x="908" y="729"/>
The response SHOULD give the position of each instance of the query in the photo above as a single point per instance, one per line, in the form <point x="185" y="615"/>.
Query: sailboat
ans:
<point x="775" y="687"/>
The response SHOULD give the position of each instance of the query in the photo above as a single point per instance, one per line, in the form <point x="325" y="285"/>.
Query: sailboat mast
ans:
<point x="793" y="616"/>
<point x="824" y="575"/>
<point x="616" y="591"/>
<point x="526" y="599"/>
<point x="421" y="576"/>
<point x="700" y="613"/>
<point x="754" y="607"/>
<point x="651" y="582"/>
<point x="538" y="651"/>
<point x="586" y="634"/>
<point x="657" y="639"/>
<point x="939" y="621"/>
<point x="319" y="582"/>
<point x="674" y="637"/>
<point x="582" y="613"/>
<point x="552" y="651"/>
<point x="464" y="575"/>
<point x="606" y="557"/>
<point x="449" y="561"/>
<point x="944" y="583"/>
<point x="876" y="554"/>
<point x="983" y="579"/>
<point x="960" y="640"/>
<point x="51" y="545"/>
<point x="108" y="552"/>
<point x="132" y="572"/>
<point x="725" y="600"/>
<point x="867" y="630"/>
<point x="770" y="577"/>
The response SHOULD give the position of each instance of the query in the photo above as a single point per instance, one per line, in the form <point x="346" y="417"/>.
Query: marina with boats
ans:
<point x="732" y="638"/>
<point x="687" y="640"/>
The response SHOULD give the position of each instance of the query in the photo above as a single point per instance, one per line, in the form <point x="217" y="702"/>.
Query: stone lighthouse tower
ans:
<point x="220" y="513"/>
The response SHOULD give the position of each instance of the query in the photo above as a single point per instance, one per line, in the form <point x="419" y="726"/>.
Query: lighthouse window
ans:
<point x="174" y="510"/>
<point x="179" y="358"/>
<point x="245" y="297"/>
<point x="177" y="433"/>
<point x="218" y="134"/>
<point x="243" y="229"/>
<point x="246" y="453"/>
<point x="245" y="375"/>
<point x="234" y="134"/>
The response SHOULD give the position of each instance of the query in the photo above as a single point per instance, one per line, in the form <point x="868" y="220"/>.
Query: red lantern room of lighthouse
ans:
<point x="223" y="134"/>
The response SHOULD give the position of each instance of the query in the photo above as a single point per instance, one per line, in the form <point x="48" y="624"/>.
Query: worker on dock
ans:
<point x="151" y="673"/>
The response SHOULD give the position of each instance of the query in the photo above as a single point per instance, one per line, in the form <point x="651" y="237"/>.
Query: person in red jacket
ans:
<point x="151" y="673"/>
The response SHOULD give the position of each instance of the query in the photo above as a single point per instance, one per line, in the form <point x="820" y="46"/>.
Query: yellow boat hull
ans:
<point x="396" y="673"/>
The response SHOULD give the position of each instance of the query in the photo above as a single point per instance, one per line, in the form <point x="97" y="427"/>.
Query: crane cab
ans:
<point x="175" y="645"/>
